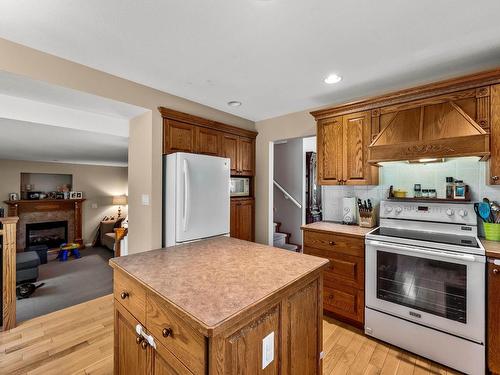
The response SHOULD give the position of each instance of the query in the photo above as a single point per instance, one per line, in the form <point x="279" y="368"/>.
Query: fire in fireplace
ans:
<point x="52" y="234"/>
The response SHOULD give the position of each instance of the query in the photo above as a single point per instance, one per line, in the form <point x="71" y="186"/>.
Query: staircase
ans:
<point x="282" y="240"/>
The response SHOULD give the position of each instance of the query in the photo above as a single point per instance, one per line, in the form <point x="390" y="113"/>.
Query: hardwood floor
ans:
<point x="79" y="341"/>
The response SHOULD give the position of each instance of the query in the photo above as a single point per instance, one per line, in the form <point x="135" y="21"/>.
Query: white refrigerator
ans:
<point x="196" y="197"/>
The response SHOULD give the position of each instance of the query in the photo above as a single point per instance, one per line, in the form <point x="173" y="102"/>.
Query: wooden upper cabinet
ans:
<point x="178" y="137"/>
<point x="208" y="141"/>
<point x="187" y="133"/>
<point x="230" y="150"/>
<point x="329" y="146"/>
<point x="356" y="131"/>
<point x="241" y="151"/>
<point x="246" y="157"/>
<point x="343" y="150"/>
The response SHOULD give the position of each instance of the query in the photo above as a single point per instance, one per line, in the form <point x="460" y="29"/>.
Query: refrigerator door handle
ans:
<point x="185" y="217"/>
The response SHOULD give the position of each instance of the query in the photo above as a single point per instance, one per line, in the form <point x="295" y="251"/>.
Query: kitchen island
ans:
<point x="218" y="306"/>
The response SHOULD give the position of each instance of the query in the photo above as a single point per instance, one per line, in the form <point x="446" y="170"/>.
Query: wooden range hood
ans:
<point x="441" y="128"/>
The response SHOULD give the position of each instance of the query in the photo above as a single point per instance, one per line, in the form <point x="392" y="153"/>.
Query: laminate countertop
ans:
<point x="214" y="280"/>
<point x="332" y="227"/>
<point x="492" y="248"/>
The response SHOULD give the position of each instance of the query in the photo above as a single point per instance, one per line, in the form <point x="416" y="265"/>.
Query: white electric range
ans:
<point x="425" y="282"/>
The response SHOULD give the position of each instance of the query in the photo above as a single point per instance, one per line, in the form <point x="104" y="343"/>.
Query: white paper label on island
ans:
<point x="267" y="350"/>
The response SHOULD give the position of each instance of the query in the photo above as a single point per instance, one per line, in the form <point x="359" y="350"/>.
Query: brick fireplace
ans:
<point x="47" y="211"/>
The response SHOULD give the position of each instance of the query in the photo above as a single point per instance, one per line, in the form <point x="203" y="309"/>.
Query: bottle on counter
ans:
<point x="425" y="193"/>
<point x="450" y="187"/>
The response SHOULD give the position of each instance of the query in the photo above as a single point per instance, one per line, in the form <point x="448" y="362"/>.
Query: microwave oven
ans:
<point x="240" y="186"/>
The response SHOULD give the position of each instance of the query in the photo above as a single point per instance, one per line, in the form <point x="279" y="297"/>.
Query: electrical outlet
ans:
<point x="145" y="199"/>
<point x="93" y="205"/>
<point x="267" y="350"/>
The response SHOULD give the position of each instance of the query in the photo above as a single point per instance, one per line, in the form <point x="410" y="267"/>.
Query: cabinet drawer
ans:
<point x="130" y="294"/>
<point x="334" y="242"/>
<point x="344" y="301"/>
<point x="346" y="269"/>
<point x="180" y="338"/>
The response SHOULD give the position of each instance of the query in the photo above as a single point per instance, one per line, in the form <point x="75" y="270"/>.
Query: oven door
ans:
<point x="439" y="289"/>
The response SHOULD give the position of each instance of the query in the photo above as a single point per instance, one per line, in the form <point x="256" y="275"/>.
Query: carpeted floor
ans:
<point x="69" y="283"/>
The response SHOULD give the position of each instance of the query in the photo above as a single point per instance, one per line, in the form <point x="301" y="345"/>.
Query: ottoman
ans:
<point x="27" y="267"/>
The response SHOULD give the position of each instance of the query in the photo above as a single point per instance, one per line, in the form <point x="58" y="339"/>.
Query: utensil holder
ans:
<point x="492" y="231"/>
<point x="367" y="219"/>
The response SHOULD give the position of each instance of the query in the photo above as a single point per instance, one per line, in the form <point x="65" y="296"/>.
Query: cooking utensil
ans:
<point x="484" y="210"/>
<point x="476" y="210"/>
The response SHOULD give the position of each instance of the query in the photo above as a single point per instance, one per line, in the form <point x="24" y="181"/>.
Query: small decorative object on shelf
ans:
<point x="75" y="195"/>
<point x="13" y="197"/>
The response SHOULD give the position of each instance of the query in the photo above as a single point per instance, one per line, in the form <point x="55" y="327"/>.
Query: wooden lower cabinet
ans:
<point x="242" y="218"/>
<point x="493" y="329"/>
<point x="130" y="358"/>
<point x="293" y="316"/>
<point x="344" y="278"/>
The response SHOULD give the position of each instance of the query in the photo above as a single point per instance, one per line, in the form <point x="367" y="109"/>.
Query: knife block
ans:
<point x="367" y="219"/>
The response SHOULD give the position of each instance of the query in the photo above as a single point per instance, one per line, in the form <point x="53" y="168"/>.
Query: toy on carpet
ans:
<point x="67" y="249"/>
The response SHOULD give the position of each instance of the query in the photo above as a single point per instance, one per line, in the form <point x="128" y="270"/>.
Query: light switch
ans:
<point x="94" y="205"/>
<point x="267" y="350"/>
<point x="145" y="199"/>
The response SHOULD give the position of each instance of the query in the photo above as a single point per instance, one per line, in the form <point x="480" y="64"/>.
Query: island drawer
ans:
<point x="130" y="294"/>
<point x="344" y="301"/>
<point x="335" y="242"/>
<point x="347" y="269"/>
<point x="185" y="342"/>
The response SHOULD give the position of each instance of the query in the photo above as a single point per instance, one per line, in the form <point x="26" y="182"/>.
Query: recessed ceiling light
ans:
<point x="234" y="103"/>
<point x="333" y="78"/>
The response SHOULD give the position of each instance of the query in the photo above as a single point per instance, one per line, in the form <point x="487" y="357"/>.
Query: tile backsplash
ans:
<point x="403" y="176"/>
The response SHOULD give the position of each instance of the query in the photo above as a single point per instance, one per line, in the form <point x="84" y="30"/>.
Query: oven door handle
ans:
<point x="443" y="254"/>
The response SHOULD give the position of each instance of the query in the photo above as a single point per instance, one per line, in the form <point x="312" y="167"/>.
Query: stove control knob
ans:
<point x="462" y="213"/>
<point x="388" y="209"/>
<point x="398" y="210"/>
<point x="450" y="212"/>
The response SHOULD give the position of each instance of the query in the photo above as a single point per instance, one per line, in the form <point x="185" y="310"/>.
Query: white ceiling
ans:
<point x="271" y="55"/>
<point x="22" y="140"/>
<point x="44" y="122"/>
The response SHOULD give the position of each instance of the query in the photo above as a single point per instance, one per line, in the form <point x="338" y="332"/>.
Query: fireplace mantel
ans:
<point x="20" y="207"/>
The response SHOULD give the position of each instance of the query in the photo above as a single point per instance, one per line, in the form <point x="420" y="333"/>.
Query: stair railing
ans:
<point x="287" y="195"/>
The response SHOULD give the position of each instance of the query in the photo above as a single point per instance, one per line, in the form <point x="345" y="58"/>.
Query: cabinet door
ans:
<point x="356" y="133"/>
<point x="303" y="324"/>
<point x="244" y="347"/>
<point x="493" y="318"/>
<point x="329" y="145"/>
<point x="234" y="218"/>
<point x="129" y="357"/>
<point x="246" y="156"/>
<point x="493" y="174"/>
<point x="242" y="219"/>
<point x="165" y="363"/>
<point x="178" y="137"/>
<point x="230" y="150"/>
<point x="245" y="219"/>
<point x="208" y="141"/>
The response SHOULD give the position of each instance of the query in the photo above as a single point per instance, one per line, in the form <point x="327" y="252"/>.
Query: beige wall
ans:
<point x="294" y="125"/>
<point x="98" y="184"/>
<point x="145" y="139"/>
